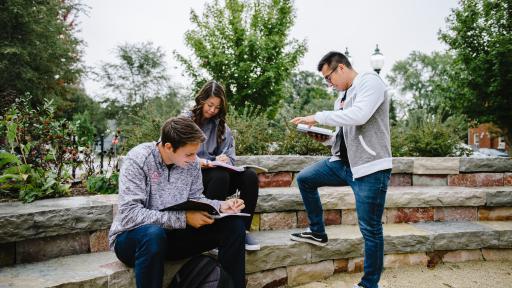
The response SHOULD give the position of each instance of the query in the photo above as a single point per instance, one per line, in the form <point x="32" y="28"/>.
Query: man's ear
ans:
<point x="169" y="146"/>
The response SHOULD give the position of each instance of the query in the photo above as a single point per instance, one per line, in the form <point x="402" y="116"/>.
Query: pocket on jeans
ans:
<point x="363" y="143"/>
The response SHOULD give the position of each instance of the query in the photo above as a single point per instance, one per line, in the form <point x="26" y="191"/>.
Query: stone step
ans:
<point x="289" y="198"/>
<point x="101" y="269"/>
<point x="280" y="260"/>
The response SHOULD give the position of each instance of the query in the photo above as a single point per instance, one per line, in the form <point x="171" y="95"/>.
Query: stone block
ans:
<point x="499" y="196"/>
<point x="268" y="279"/>
<point x="289" y="199"/>
<point x="332" y="217"/>
<point x="441" y="196"/>
<point x="476" y="179"/>
<point x="7" y="254"/>
<point x="344" y="242"/>
<point x="436" y="165"/>
<point x="35" y="250"/>
<point x="278" y="179"/>
<point x="50" y="217"/>
<point x="403" y="165"/>
<point x="279" y="220"/>
<point x="340" y="265"/>
<point x="302" y="219"/>
<point x="255" y="224"/>
<point x="400" y="180"/>
<point x="401" y="260"/>
<point x="277" y="250"/>
<point x="429" y="180"/>
<point x="504" y="229"/>
<point x="495" y="213"/>
<point x="406" y="238"/>
<point x="462" y="256"/>
<point x="348" y="217"/>
<point x="507" y="179"/>
<point x="356" y="265"/>
<point x="455" y="214"/>
<point x="409" y="215"/>
<point x="309" y="272"/>
<point x="497" y="254"/>
<point x="98" y="241"/>
<point x="459" y="235"/>
<point x="485" y="165"/>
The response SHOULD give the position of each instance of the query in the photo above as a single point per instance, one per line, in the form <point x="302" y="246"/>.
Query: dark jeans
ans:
<point x="219" y="184"/>
<point x="147" y="247"/>
<point x="370" y="193"/>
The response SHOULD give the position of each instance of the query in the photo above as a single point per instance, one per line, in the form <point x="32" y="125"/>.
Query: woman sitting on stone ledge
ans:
<point x="209" y="113"/>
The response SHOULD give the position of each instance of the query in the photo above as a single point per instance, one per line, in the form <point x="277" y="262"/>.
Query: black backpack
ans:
<point x="201" y="271"/>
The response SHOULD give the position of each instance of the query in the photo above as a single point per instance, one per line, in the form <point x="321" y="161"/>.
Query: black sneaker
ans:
<point x="310" y="237"/>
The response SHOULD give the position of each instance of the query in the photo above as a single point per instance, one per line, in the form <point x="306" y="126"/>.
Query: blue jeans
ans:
<point x="370" y="194"/>
<point x="147" y="247"/>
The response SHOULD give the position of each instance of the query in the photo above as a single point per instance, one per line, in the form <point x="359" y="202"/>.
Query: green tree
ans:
<point x="245" y="46"/>
<point x="309" y="93"/>
<point x="39" y="53"/>
<point x="139" y="74"/>
<point x="425" y="79"/>
<point x="479" y="33"/>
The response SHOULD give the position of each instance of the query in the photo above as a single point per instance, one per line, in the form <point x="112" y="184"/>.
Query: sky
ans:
<point x="397" y="26"/>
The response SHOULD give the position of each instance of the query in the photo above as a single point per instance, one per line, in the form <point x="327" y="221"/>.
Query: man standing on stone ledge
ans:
<point x="361" y="158"/>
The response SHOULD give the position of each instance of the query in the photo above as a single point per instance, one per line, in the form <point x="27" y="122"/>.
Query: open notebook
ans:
<point x="193" y="205"/>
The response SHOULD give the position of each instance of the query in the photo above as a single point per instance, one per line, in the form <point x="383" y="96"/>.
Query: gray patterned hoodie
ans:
<point x="147" y="185"/>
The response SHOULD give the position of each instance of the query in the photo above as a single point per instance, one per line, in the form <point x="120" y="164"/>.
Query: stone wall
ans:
<point x="407" y="171"/>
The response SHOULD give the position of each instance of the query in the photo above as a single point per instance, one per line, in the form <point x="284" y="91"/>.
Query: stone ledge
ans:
<point x="87" y="270"/>
<point x="485" y="165"/>
<point x="416" y="165"/>
<point x="52" y="217"/>
<point x="289" y="199"/>
<point x="277" y="252"/>
<point x="345" y="241"/>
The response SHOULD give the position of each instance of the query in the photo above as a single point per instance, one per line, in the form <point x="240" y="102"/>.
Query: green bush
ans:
<point x="103" y="184"/>
<point x="40" y="147"/>
<point x="427" y="135"/>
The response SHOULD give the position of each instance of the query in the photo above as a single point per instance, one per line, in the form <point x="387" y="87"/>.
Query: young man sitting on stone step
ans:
<point x="160" y="174"/>
<point x="361" y="158"/>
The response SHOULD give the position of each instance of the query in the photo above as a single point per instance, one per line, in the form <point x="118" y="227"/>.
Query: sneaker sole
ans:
<point x="299" y="239"/>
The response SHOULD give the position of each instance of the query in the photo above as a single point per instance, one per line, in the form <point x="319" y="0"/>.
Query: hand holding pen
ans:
<point x="223" y="157"/>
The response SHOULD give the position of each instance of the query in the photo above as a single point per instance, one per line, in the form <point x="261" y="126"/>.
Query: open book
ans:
<point x="193" y="205"/>
<point x="317" y="130"/>
<point x="241" y="168"/>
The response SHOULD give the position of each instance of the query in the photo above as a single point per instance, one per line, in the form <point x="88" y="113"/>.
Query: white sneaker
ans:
<point x="250" y="243"/>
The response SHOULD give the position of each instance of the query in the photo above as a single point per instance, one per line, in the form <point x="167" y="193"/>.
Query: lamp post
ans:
<point x="377" y="60"/>
<point x="348" y="56"/>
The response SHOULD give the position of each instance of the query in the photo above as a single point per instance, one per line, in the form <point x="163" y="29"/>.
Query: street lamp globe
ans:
<point x="377" y="60"/>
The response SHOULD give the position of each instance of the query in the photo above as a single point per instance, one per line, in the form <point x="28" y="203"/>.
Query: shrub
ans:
<point x="40" y="147"/>
<point x="427" y="135"/>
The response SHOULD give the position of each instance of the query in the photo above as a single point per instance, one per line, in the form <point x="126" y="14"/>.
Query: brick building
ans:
<point x="487" y="136"/>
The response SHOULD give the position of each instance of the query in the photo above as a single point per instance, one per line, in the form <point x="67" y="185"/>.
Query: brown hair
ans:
<point x="180" y="131"/>
<point x="211" y="89"/>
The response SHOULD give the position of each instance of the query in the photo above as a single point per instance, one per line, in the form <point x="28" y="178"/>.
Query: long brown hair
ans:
<point x="211" y="89"/>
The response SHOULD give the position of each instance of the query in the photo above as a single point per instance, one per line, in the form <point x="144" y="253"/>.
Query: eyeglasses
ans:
<point x="328" y="76"/>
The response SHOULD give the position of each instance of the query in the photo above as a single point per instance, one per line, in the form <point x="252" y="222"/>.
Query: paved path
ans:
<point x="487" y="274"/>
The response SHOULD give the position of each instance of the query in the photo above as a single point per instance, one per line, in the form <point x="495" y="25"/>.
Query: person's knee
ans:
<point x="154" y="241"/>
<point x="234" y="226"/>
<point x="219" y="176"/>
<point x="250" y="177"/>
<point x="303" y="178"/>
